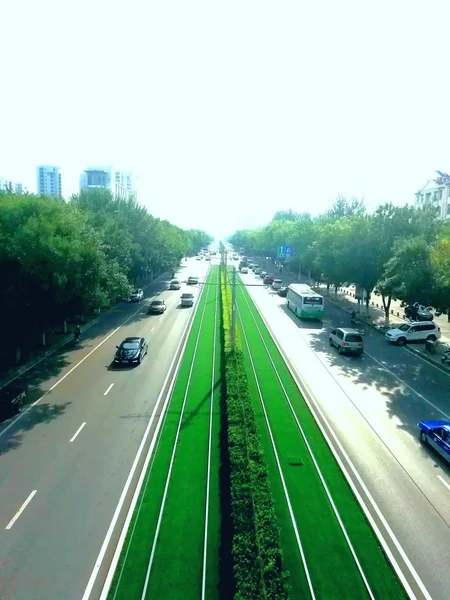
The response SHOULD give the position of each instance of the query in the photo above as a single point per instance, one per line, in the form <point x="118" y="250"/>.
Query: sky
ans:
<point x="229" y="111"/>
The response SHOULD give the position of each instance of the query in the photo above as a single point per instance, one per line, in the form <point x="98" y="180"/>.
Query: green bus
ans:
<point x="304" y="301"/>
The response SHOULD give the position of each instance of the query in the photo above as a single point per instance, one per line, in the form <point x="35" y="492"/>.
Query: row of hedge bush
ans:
<point x="256" y="548"/>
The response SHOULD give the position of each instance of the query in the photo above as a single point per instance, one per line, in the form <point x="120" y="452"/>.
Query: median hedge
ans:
<point x="256" y="549"/>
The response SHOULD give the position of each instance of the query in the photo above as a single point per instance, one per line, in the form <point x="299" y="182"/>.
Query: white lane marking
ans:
<point x="319" y="472"/>
<point x="24" y="412"/>
<point x="280" y="470"/>
<point x="112" y="526"/>
<point x="313" y="406"/>
<point x="77" y="432"/>
<point x="21" y="509"/>
<point x="443" y="481"/>
<point x="411" y="389"/>
<point x="109" y="389"/>
<point x="422" y="358"/>
<point x="152" y="329"/>
<point x="211" y="412"/>
<point x="172" y="458"/>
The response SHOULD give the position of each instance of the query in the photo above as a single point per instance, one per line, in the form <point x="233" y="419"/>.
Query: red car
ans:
<point x="268" y="279"/>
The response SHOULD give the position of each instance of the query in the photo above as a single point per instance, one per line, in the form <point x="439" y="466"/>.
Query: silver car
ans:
<point x="347" y="341"/>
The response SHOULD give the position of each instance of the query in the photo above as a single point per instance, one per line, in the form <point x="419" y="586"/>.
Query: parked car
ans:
<point x="131" y="351"/>
<point x="157" y="307"/>
<point x="418" y="312"/>
<point x="187" y="299"/>
<point x="283" y="291"/>
<point x="416" y="331"/>
<point x="437" y="435"/>
<point x="257" y="270"/>
<point x="136" y="295"/>
<point x="244" y="270"/>
<point x="277" y="284"/>
<point x="192" y="280"/>
<point x="262" y="274"/>
<point x="175" y="284"/>
<point x="268" y="279"/>
<point x="347" y="340"/>
<point x="12" y="398"/>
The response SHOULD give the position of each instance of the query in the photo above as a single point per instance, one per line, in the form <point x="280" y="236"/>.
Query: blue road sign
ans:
<point x="280" y="251"/>
<point x="288" y="251"/>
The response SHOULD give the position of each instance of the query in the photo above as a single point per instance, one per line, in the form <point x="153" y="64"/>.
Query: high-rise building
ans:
<point x="7" y="185"/>
<point x="48" y="181"/>
<point x="119" y="183"/>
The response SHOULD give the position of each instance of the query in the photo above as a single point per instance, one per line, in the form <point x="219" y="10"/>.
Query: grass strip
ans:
<point x="128" y="581"/>
<point x="332" y="568"/>
<point x="256" y="551"/>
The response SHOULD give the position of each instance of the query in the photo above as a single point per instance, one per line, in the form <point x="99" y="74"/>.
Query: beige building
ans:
<point x="436" y="192"/>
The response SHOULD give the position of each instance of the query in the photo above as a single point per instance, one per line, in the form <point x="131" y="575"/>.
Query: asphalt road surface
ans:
<point x="373" y="405"/>
<point x="64" y="462"/>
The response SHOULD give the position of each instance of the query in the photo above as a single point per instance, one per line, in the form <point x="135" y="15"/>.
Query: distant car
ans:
<point x="12" y="398"/>
<point x="192" y="280"/>
<point x="437" y="435"/>
<point x="156" y="307"/>
<point x="187" y="299"/>
<point x="175" y="284"/>
<point x="268" y="279"/>
<point x="207" y="258"/>
<point x="199" y="258"/>
<point x="257" y="270"/>
<point x="415" y="331"/>
<point x="137" y="295"/>
<point x="131" y="351"/>
<point x="347" y="341"/>
<point x="244" y="270"/>
<point x="262" y="274"/>
<point x="283" y="291"/>
<point x="277" y="284"/>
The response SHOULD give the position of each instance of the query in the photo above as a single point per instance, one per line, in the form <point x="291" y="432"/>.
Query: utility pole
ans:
<point x="233" y="310"/>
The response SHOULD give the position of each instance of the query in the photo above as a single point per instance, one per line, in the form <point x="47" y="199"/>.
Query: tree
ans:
<point x="346" y="208"/>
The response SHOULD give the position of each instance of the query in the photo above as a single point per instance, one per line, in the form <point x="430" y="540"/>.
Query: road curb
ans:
<point x="368" y="323"/>
<point x="428" y="359"/>
<point x="31" y="364"/>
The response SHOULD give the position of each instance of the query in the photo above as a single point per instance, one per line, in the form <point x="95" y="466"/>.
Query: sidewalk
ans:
<point x="12" y="373"/>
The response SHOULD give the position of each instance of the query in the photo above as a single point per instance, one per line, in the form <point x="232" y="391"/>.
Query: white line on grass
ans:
<point x="115" y="518"/>
<point x="286" y="493"/>
<point x="108" y="390"/>
<point x="208" y="476"/>
<point x="75" y="435"/>
<point x="172" y="458"/>
<point x="322" y="479"/>
<point x="68" y="373"/>
<point x="21" y="509"/>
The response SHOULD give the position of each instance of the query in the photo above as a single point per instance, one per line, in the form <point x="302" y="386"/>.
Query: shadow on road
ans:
<point x="40" y="414"/>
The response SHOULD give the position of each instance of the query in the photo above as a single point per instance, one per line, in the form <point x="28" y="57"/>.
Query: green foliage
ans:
<point x="60" y="259"/>
<point x="257" y="556"/>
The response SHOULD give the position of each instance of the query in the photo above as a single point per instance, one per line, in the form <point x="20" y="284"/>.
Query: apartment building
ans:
<point x="49" y="181"/>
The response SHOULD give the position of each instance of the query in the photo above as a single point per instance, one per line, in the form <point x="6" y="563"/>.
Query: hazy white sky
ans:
<point x="229" y="111"/>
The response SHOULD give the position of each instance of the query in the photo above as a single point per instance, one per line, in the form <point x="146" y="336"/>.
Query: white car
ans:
<point x="244" y="270"/>
<point x="416" y="331"/>
<point x="192" y="280"/>
<point x="277" y="284"/>
<point x="175" y="285"/>
<point x="137" y="295"/>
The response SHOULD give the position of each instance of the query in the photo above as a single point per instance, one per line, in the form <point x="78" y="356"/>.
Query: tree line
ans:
<point x="60" y="259"/>
<point x="396" y="251"/>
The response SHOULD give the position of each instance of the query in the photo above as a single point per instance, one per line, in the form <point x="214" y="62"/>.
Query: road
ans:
<point x="373" y="405"/>
<point x="75" y="448"/>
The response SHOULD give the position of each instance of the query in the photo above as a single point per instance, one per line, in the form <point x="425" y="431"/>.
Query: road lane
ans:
<point x="50" y="550"/>
<point x="375" y="420"/>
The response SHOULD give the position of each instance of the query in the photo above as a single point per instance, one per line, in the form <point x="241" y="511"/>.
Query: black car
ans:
<point x="156" y="307"/>
<point x="131" y="351"/>
<point x="417" y="312"/>
<point x="12" y="398"/>
<point x="283" y="292"/>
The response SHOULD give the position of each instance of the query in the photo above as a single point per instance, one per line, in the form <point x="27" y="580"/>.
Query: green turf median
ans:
<point x="164" y="552"/>
<point x="328" y="556"/>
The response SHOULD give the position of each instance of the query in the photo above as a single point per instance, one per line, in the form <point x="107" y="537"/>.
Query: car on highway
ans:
<point x="437" y="435"/>
<point x="175" y="284"/>
<point x="277" y="284"/>
<point x="268" y="279"/>
<point x="157" y="307"/>
<point x="198" y="258"/>
<point x="192" y="280"/>
<point x="262" y="274"/>
<point x="12" y="398"/>
<point x="136" y="295"/>
<point x="347" y="341"/>
<point x="282" y="292"/>
<point x="207" y="258"/>
<point x="187" y="299"/>
<point x="415" y="331"/>
<point x="257" y="270"/>
<point x="131" y="351"/>
<point x="244" y="270"/>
